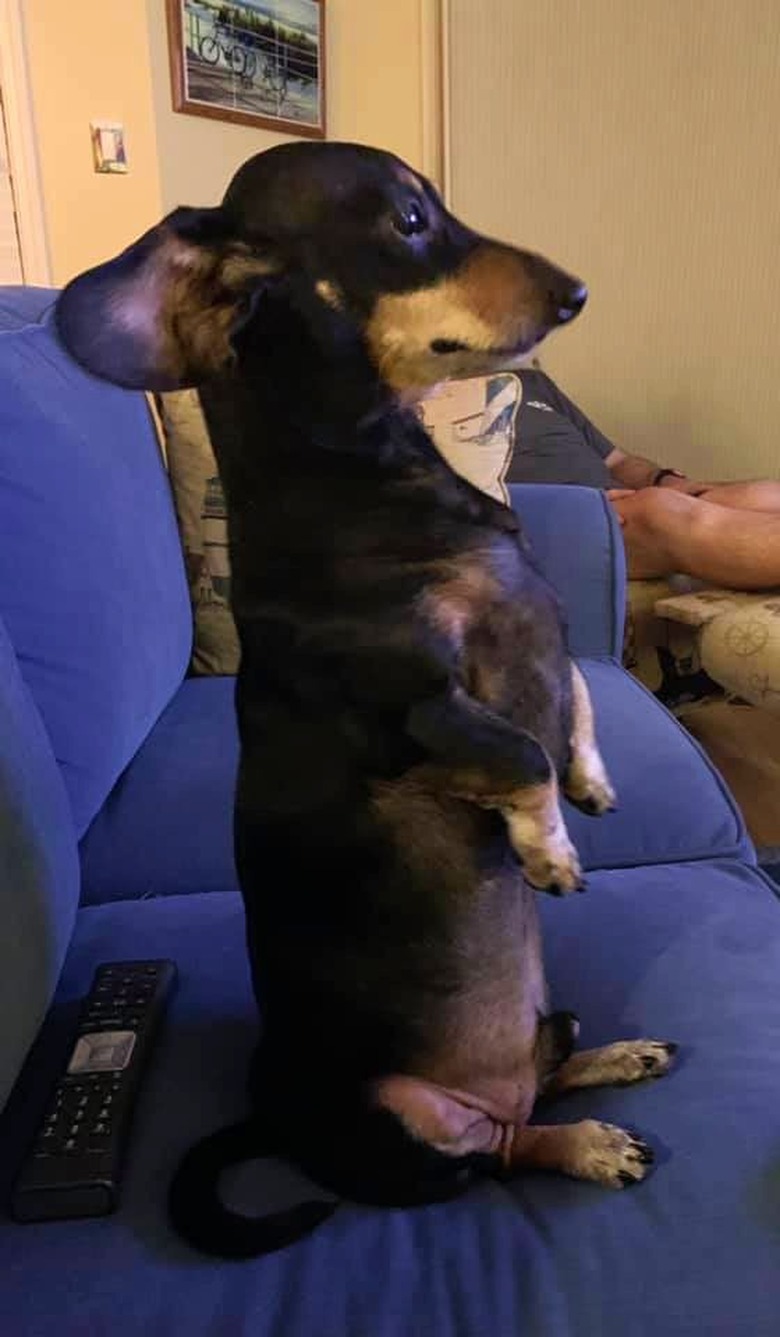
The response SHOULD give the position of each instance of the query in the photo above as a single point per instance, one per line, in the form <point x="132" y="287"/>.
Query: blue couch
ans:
<point x="116" y="776"/>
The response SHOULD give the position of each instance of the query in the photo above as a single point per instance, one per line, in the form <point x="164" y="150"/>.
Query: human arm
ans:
<point x="636" y="472"/>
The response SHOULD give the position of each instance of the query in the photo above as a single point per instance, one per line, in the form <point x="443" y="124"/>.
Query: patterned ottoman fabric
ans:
<point x="663" y="654"/>
<point x="739" y="639"/>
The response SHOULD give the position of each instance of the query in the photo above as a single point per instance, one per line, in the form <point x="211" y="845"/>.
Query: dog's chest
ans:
<point x="490" y="583"/>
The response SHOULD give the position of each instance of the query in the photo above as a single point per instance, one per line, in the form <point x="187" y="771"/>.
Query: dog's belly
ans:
<point x="419" y="954"/>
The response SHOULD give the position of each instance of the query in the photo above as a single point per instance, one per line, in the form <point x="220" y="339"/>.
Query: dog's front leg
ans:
<point x="587" y="1150"/>
<point x="586" y="783"/>
<point x="481" y="757"/>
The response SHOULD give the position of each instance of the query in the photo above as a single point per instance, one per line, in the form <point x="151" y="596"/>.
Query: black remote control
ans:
<point x="74" y="1166"/>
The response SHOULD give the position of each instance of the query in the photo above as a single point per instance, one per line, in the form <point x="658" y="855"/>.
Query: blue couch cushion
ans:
<point x="92" y="583"/>
<point x="167" y="826"/>
<point x="690" y="952"/>
<point x="673" y="805"/>
<point x="39" y="871"/>
<point x="575" y="536"/>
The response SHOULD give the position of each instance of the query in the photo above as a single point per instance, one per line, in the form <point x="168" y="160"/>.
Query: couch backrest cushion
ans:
<point x="39" y="869"/>
<point x="92" y="583"/>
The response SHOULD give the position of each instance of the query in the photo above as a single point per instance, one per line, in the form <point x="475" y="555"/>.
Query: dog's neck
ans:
<point x="302" y="396"/>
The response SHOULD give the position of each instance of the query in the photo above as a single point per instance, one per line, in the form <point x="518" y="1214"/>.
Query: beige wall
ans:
<point x="109" y="58"/>
<point x="638" y="143"/>
<point x="89" y="60"/>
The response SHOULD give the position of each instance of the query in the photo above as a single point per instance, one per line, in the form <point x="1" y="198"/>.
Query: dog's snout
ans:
<point x="569" y="302"/>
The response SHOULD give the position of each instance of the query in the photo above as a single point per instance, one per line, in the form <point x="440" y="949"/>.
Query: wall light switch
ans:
<point x="108" y="146"/>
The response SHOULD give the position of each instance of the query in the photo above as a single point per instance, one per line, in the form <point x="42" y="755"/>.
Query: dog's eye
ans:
<point x="411" y="220"/>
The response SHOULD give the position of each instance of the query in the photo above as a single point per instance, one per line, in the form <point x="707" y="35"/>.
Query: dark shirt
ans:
<point x="554" y="441"/>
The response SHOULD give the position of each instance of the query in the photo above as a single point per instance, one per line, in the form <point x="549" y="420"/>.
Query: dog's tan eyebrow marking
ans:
<point x="330" y="293"/>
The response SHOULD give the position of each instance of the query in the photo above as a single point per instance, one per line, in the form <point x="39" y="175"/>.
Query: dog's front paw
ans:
<point x="550" y="861"/>
<point x="558" y="872"/>
<point x="588" y="786"/>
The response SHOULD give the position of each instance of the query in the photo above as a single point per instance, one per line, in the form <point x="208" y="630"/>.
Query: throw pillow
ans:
<point x="201" y="512"/>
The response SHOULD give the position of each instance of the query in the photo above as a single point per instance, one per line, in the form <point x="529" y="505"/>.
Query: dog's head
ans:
<point x="356" y="241"/>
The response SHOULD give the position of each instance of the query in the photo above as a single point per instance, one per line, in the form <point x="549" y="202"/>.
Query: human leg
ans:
<point x="666" y="532"/>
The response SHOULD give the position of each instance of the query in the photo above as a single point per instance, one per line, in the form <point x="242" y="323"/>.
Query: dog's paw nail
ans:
<point x="671" y="1047"/>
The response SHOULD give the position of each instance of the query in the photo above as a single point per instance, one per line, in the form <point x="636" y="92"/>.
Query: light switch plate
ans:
<point x="108" y="146"/>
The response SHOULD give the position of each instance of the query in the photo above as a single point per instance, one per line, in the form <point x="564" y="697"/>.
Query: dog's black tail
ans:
<point x="199" y="1215"/>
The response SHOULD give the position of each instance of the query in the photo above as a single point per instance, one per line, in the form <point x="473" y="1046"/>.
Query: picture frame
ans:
<point x="250" y="62"/>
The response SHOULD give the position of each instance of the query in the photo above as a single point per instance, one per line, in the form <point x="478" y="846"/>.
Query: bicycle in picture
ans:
<point x="223" y="43"/>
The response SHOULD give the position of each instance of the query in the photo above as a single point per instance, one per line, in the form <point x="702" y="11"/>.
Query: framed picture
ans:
<point x="254" y="62"/>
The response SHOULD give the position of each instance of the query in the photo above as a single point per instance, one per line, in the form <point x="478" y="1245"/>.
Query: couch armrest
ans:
<point x="576" y="539"/>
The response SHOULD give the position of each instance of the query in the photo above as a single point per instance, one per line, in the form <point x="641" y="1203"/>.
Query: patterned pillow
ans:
<point x="472" y="423"/>
<point x="200" y="508"/>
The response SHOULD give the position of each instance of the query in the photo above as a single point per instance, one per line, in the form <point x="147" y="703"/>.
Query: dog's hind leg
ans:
<point x="618" y="1064"/>
<point x="586" y="1150"/>
<point x="586" y="783"/>
<point x="450" y="1123"/>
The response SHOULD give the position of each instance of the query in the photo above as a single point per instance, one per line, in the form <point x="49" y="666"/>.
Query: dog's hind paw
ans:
<point x="609" y="1155"/>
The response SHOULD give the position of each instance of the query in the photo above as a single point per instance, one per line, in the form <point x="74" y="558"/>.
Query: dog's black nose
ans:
<point x="571" y="302"/>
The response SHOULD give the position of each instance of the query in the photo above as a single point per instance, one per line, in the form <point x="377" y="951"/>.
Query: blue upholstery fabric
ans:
<point x="92" y="583"/>
<point x="24" y="306"/>
<point x="685" y="952"/>
<point x="576" y="539"/>
<point x="39" y="873"/>
<point x="167" y="826"/>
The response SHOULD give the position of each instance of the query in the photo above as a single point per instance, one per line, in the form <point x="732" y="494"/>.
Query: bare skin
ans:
<point x="727" y="534"/>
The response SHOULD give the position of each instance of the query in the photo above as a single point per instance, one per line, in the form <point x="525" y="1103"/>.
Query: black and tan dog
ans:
<point x="406" y="705"/>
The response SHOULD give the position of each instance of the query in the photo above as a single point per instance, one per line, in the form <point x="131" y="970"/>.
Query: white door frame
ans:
<point x="22" y="149"/>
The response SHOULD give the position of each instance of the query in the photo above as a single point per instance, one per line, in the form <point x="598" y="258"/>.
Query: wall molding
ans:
<point x="445" y="77"/>
<point x="22" y="149"/>
<point x="432" y="90"/>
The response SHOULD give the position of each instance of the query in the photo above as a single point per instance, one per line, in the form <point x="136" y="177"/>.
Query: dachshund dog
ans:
<point x="407" y="709"/>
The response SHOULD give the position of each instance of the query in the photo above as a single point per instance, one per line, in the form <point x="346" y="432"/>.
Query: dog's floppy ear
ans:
<point x="161" y="315"/>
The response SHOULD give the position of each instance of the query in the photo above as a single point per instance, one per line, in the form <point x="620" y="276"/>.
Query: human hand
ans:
<point x="617" y="496"/>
